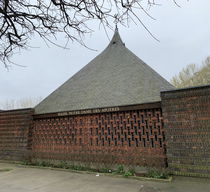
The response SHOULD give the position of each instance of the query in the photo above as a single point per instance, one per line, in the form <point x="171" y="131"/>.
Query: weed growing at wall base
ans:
<point x="4" y="170"/>
<point x="119" y="171"/>
<point x="155" y="174"/>
<point x="127" y="173"/>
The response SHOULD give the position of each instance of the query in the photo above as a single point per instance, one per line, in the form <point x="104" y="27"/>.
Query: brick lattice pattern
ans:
<point x="15" y="133"/>
<point x="186" y="115"/>
<point x="128" y="138"/>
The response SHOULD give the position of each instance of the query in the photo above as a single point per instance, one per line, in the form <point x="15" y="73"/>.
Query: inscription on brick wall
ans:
<point x="111" y="109"/>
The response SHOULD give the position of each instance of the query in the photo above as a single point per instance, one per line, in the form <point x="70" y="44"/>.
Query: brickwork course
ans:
<point x="15" y="133"/>
<point x="186" y="114"/>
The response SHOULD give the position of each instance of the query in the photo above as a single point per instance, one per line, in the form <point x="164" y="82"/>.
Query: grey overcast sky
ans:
<point x="184" y="35"/>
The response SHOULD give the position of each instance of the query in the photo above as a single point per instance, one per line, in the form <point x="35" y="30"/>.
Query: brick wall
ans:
<point x="186" y="114"/>
<point x="129" y="138"/>
<point x="15" y="133"/>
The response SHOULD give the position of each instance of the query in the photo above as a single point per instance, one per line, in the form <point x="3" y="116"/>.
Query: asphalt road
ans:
<point x="20" y="179"/>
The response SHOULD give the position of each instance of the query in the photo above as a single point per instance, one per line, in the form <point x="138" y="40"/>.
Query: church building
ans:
<point x="115" y="111"/>
<point x="107" y="113"/>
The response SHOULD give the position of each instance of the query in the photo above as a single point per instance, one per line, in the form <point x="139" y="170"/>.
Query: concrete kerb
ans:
<point x="100" y="174"/>
<point x="10" y="161"/>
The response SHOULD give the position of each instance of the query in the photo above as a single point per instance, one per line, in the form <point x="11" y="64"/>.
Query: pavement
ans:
<point x="22" y="179"/>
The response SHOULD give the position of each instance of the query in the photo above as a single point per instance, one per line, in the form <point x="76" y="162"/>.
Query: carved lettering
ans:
<point x="88" y="111"/>
<point x="96" y="110"/>
<point x="62" y="114"/>
<point x="110" y="109"/>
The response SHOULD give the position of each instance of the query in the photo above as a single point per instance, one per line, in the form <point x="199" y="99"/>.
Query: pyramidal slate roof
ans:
<point x="116" y="77"/>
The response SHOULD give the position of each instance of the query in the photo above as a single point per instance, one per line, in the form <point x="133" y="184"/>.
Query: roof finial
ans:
<point x="116" y="40"/>
<point x="116" y="29"/>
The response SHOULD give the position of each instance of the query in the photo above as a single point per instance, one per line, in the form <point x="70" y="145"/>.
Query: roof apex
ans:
<point x="116" y="39"/>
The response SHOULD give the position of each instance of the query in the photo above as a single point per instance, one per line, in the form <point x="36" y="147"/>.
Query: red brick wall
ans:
<point x="14" y="132"/>
<point x="127" y="138"/>
<point x="186" y="114"/>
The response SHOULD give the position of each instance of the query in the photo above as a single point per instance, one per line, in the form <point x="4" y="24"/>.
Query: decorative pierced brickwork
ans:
<point x="15" y="133"/>
<point x="186" y="115"/>
<point x="128" y="138"/>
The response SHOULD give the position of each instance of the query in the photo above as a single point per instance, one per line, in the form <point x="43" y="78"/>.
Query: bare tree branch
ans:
<point x="21" y="19"/>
